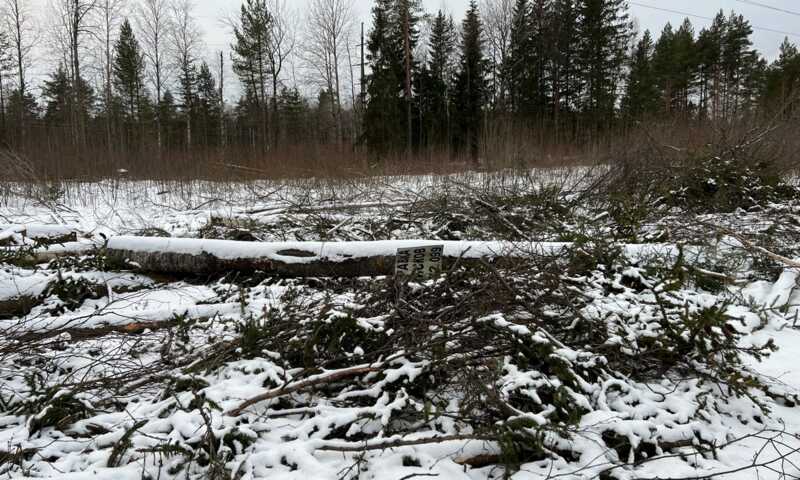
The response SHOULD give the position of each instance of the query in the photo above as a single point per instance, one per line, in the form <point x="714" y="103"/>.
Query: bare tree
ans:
<point x="281" y="44"/>
<point x="329" y="24"/>
<point x="186" y="40"/>
<point x="72" y="26"/>
<point x="497" y="19"/>
<point x="19" y="29"/>
<point x="108" y="16"/>
<point x="154" y="23"/>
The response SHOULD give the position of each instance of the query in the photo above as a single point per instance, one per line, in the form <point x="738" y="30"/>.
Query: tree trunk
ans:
<point x="292" y="259"/>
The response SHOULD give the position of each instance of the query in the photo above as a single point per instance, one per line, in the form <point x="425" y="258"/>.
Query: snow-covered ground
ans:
<point x="122" y="375"/>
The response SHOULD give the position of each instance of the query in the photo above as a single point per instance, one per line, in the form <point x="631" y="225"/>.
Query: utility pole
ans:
<point x="222" y="141"/>
<point x="363" y="75"/>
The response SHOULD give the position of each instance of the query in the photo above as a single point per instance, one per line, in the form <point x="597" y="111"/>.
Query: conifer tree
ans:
<point x="206" y="107"/>
<point x="604" y="31"/>
<point x="564" y="82"/>
<point x="642" y="96"/>
<point x="251" y="49"/>
<point x="56" y="91"/>
<point x="384" y="110"/>
<point x="520" y="63"/>
<point x="470" y="85"/>
<point x="782" y="86"/>
<point x="433" y="85"/>
<point x="128" y="69"/>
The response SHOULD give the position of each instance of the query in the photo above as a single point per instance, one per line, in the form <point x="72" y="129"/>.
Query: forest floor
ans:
<point x="612" y="337"/>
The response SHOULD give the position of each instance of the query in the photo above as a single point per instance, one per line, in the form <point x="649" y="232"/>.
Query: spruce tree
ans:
<point x="128" y="69"/>
<point x="206" y="107"/>
<point x="642" y="96"/>
<point x="519" y="69"/>
<point x="470" y="85"/>
<point x="57" y="94"/>
<point x="433" y="84"/>
<point x="604" y="32"/>
<point x="564" y="79"/>
<point x="383" y="118"/>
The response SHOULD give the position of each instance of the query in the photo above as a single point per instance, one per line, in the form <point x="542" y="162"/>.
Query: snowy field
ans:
<point x="567" y="339"/>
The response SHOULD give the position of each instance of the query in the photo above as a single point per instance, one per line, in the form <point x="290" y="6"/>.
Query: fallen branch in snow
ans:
<point x="401" y="442"/>
<point x="313" y="381"/>
<point x="91" y="333"/>
<point x="750" y="246"/>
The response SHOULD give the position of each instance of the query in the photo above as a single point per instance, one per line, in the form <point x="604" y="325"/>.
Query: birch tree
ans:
<point x="154" y="27"/>
<point x="186" y="42"/>
<point x="329" y="24"/>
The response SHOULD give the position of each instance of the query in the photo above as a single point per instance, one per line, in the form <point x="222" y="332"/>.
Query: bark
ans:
<point x="329" y="377"/>
<point x="289" y="260"/>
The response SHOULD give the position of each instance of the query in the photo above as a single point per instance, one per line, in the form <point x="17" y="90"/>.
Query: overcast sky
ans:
<point x="767" y="42"/>
<point x="650" y="14"/>
<point x="210" y="13"/>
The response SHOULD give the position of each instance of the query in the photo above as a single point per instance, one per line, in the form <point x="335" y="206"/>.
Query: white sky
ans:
<point x="218" y="37"/>
<point x="210" y="15"/>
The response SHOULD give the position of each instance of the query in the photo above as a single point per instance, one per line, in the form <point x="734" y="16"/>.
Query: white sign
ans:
<point x="419" y="263"/>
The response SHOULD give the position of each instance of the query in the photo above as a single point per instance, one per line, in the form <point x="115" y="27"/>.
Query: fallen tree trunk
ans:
<point x="298" y="259"/>
<point x="16" y="234"/>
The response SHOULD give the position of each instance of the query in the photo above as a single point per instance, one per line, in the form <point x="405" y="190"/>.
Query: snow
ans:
<point x="286" y="442"/>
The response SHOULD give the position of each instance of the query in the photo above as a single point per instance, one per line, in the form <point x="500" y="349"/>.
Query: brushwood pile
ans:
<point x="659" y="340"/>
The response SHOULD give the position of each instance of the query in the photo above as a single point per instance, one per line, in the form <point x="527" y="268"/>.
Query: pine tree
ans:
<point x="250" y="61"/>
<point x="709" y="59"/>
<point x="782" y="86"/>
<point x="642" y="96"/>
<point x="676" y="64"/>
<point x="738" y="60"/>
<point x="604" y="32"/>
<point x="470" y="86"/>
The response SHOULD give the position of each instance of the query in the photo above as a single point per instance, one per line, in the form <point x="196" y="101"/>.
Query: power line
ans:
<point x="679" y="12"/>
<point x="770" y="7"/>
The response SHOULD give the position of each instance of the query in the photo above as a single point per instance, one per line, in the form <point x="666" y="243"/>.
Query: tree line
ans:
<point x="130" y="80"/>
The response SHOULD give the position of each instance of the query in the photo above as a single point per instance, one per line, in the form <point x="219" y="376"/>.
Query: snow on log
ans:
<point x="298" y="259"/>
<point x="319" y="259"/>
<point x="16" y="234"/>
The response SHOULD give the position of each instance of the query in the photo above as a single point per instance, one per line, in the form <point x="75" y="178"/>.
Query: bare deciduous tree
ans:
<point x="497" y="19"/>
<point x="281" y="45"/>
<point x="186" y="40"/>
<point x="72" y="26"/>
<point x="329" y="25"/>
<point x="108" y="16"/>
<point x="18" y="26"/>
<point x="154" y="25"/>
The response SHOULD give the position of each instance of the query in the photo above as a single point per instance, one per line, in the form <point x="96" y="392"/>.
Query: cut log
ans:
<point x="297" y="259"/>
<point x="17" y="306"/>
<point x="44" y="234"/>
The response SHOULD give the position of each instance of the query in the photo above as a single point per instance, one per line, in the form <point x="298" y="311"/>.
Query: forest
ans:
<point x="514" y="82"/>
